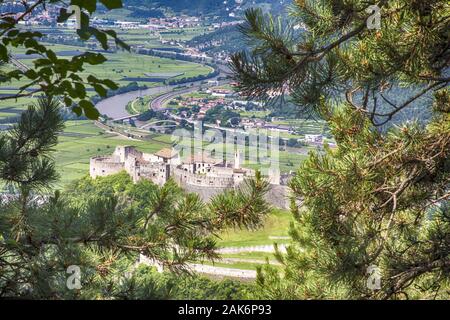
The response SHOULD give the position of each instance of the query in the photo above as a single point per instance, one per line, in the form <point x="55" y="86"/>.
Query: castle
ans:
<point x="199" y="173"/>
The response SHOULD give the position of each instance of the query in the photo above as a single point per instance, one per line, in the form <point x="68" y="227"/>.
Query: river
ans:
<point x="115" y="106"/>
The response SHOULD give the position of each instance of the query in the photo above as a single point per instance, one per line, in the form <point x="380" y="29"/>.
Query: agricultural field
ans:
<point x="153" y="39"/>
<point x="304" y="126"/>
<point x="117" y="14"/>
<point x="119" y="67"/>
<point x="184" y="34"/>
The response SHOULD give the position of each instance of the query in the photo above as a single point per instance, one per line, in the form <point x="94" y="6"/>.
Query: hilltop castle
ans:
<point x="199" y="173"/>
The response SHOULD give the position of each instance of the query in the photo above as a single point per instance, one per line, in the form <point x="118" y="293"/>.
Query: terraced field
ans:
<point x="246" y="244"/>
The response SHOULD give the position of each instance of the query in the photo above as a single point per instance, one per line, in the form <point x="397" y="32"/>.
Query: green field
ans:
<point x="119" y="66"/>
<point x="276" y="224"/>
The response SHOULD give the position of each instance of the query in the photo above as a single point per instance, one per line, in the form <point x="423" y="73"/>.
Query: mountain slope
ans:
<point x="221" y="8"/>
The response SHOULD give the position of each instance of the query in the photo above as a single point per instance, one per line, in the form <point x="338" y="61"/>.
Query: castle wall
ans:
<point x="158" y="173"/>
<point x="278" y="196"/>
<point x="207" y="181"/>
<point x="205" y="193"/>
<point x="124" y="152"/>
<point x="104" y="166"/>
<point x="150" y="157"/>
<point x="222" y="170"/>
<point x="208" y="187"/>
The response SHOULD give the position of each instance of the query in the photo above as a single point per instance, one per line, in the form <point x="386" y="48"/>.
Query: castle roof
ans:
<point x="166" y="153"/>
<point x="201" y="158"/>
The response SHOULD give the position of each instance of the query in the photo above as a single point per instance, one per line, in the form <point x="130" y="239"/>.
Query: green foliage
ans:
<point x="361" y="209"/>
<point x="24" y="149"/>
<point x="227" y="117"/>
<point x="381" y="199"/>
<point x="55" y="76"/>
<point x="333" y="52"/>
<point x="148" y="284"/>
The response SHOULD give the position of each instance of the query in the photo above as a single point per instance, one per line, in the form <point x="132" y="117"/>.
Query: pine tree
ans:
<point x="100" y="226"/>
<point x="377" y="206"/>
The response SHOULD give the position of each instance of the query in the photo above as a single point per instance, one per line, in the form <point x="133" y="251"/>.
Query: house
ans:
<point x="314" y="138"/>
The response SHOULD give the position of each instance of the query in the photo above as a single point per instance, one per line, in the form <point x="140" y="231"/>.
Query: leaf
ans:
<point x="94" y="58"/>
<point x="119" y="42"/>
<point x="51" y="55"/>
<point x="89" y="5"/>
<point x="110" y="84"/>
<point x="63" y="16"/>
<point x="41" y="62"/>
<point x="112" y="4"/>
<point x="3" y="53"/>
<point x="112" y="33"/>
<point x="13" y="33"/>
<point x="80" y="89"/>
<point x="92" y="114"/>
<point x="102" y="38"/>
<point x="78" y="111"/>
<point x="89" y="109"/>
<point x="31" y="51"/>
<point x="122" y="44"/>
<point x="100" y="90"/>
<point x="31" y="74"/>
<point x="68" y="101"/>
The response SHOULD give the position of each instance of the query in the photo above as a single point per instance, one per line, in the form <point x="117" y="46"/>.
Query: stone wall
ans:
<point x="205" y="193"/>
<point x="278" y="196"/>
<point x="158" y="173"/>
<point x="104" y="166"/>
<point x="205" y="181"/>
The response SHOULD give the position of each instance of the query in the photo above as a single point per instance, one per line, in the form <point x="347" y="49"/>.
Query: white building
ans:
<point x="314" y="138"/>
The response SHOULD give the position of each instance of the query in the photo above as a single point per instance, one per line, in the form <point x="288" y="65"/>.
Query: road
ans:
<point x="158" y="103"/>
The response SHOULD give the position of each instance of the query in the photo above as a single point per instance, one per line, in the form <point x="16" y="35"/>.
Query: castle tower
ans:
<point x="122" y="152"/>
